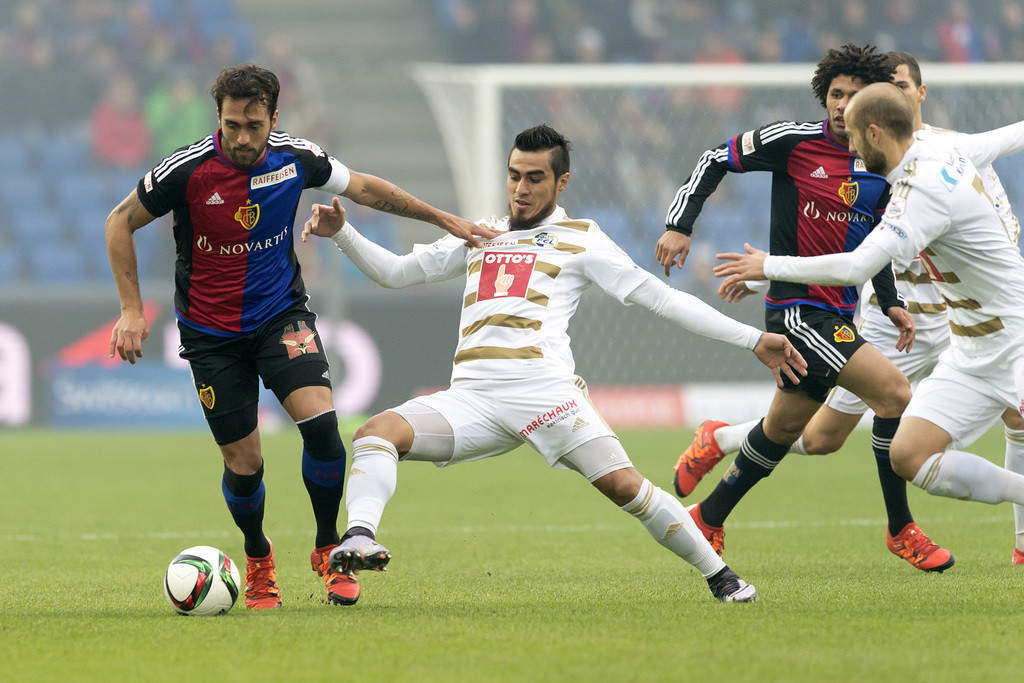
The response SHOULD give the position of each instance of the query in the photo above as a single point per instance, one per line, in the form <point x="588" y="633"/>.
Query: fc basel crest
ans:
<point x="847" y="192"/>
<point x="844" y="334"/>
<point x="207" y="396"/>
<point x="248" y="215"/>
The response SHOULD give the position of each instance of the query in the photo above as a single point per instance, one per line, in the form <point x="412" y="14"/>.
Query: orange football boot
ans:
<point x="715" y="535"/>
<point x="916" y="548"/>
<point x="342" y="589"/>
<point x="1018" y="557"/>
<point x="698" y="459"/>
<point x="261" y="591"/>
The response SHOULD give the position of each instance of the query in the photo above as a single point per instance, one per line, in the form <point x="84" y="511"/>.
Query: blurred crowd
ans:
<point x="548" y="31"/>
<point x="97" y="91"/>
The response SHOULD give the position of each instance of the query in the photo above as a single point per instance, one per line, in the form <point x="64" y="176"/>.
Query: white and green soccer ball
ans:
<point x="202" y="581"/>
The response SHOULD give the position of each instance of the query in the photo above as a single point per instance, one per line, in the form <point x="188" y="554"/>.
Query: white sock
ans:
<point x="730" y="437"/>
<point x="798" y="446"/>
<point x="371" y="481"/>
<point x="668" y="522"/>
<point x="1015" y="463"/>
<point x="956" y="474"/>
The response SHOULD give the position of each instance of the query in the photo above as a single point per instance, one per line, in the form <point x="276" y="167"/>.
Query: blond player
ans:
<point x="513" y="379"/>
<point x="941" y="213"/>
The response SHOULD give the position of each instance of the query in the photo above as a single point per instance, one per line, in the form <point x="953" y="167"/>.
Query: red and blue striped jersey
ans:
<point x="823" y="202"/>
<point x="235" y="264"/>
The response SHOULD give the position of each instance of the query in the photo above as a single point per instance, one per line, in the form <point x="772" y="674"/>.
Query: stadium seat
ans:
<point x="58" y="264"/>
<point x="26" y="191"/>
<point x="64" y="156"/>
<point x="36" y="229"/>
<point x="16" y="151"/>
<point x="10" y="265"/>
<point x="82" y="192"/>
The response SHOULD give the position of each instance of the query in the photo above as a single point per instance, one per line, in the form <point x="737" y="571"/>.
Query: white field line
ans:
<point x="482" y="529"/>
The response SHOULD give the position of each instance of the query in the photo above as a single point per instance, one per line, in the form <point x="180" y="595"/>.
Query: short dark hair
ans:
<point x="898" y="57"/>
<point x="247" y="82"/>
<point x="885" y="106"/>
<point x="853" y="61"/>
<point x="544" y="137"/>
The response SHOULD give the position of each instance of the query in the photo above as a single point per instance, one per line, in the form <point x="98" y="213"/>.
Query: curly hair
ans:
<point x="853" y="61"/>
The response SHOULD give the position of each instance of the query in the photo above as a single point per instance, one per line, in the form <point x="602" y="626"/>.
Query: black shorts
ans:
<point x="285" y="352"/>
<point x="826" y="340"/>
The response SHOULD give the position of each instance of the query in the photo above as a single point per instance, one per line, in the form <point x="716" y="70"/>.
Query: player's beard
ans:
<point x="874" y="161"/>
<point x="531" y="222"/>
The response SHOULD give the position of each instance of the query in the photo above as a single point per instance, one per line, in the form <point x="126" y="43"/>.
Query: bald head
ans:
<point x="883" y="105"/>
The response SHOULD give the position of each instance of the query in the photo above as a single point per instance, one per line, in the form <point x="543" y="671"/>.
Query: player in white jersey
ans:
<point x="837" y="418"/>
<point x="513" y="379"/>
<point x="941" y="213"/>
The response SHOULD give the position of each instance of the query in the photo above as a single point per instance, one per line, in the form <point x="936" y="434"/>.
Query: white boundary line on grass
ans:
<point x="504" y="528"/>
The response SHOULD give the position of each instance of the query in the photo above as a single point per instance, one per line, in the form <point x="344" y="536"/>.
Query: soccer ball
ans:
<point x="202" y="581"/>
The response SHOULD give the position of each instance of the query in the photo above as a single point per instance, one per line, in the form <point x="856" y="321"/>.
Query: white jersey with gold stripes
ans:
<point x="942" y="216"/>
<point x="521" y="290"/>
<point x="914" y="285"/>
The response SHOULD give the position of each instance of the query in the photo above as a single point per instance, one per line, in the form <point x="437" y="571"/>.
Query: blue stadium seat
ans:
<point x="64" y="156"/>
<point x="58" y="264"/>
<point x="82" y="192"/>
<point x="10" y="264"/>
<point x="26" y="191"/>
<point x="16" y="152"/>
<point x="36" y="229"/>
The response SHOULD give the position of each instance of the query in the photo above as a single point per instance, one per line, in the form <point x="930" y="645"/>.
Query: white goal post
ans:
<point x="474" y="112"/>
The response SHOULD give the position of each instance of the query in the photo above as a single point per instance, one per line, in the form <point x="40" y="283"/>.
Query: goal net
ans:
<point x="637" y="131"/>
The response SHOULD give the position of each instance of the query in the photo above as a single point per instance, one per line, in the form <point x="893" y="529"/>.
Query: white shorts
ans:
<point x="553" y="415"/>
<point x="965" y="406"/>
<point x="916" y="365"/>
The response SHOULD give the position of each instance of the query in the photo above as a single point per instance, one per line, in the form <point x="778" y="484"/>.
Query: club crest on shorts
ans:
<point x="848" y="193"/>
<point x="844" y="334"/>
<point x="299" y="340"/>
<point x="207" y="397"/>
<point x="248" y="215"/>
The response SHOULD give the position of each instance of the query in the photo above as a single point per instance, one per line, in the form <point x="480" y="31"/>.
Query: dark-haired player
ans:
<point x="824" y="201"/>
<point x="242" y="306"/>
<point x="514" y="380"/>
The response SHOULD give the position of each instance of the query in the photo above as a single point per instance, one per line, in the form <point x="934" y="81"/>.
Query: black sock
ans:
<point x="894" y="487"/>
<point x="359" y="531"/>
<point x="323" y="472"/>
<point x="245" y="496"/>
<point x="758" y="457"/>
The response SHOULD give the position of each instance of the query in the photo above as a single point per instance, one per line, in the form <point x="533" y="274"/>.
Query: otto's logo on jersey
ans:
<point x="505" y="274"/>
<point x="207" y="396"/>
<point x="248" y="215"/>
<point x="896" y="231"/>
<point x="300" y="340"/>
<point x="844" y="334"/>
<point x="545" y="239"/>
<point x="848" y="193"/>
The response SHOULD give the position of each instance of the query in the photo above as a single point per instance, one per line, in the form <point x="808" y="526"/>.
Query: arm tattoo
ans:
<point x="400" y="206"/>
<point x="131" y="204"/>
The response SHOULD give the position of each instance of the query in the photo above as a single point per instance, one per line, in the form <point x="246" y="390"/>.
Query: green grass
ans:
<point x="502" y="570"/>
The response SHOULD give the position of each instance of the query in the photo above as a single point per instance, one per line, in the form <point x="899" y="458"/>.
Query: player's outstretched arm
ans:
<point x="697" y="316"/>
<point x="131" y="329"/>
<point x="377" y="193"/>
<point x="377" y="263"/>
<point x="775" y="351"/>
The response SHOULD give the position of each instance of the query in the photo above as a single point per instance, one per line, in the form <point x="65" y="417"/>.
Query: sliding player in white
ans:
<point x="513" y="380"/>
<point x="941" y="213"/>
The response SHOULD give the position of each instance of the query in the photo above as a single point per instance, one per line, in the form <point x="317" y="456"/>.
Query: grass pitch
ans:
<point x="502" y="570"/>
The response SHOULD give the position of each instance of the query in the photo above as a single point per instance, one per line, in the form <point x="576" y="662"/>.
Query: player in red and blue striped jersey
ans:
<point x="824" y="201"/>
<point x="241" y="303"/>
